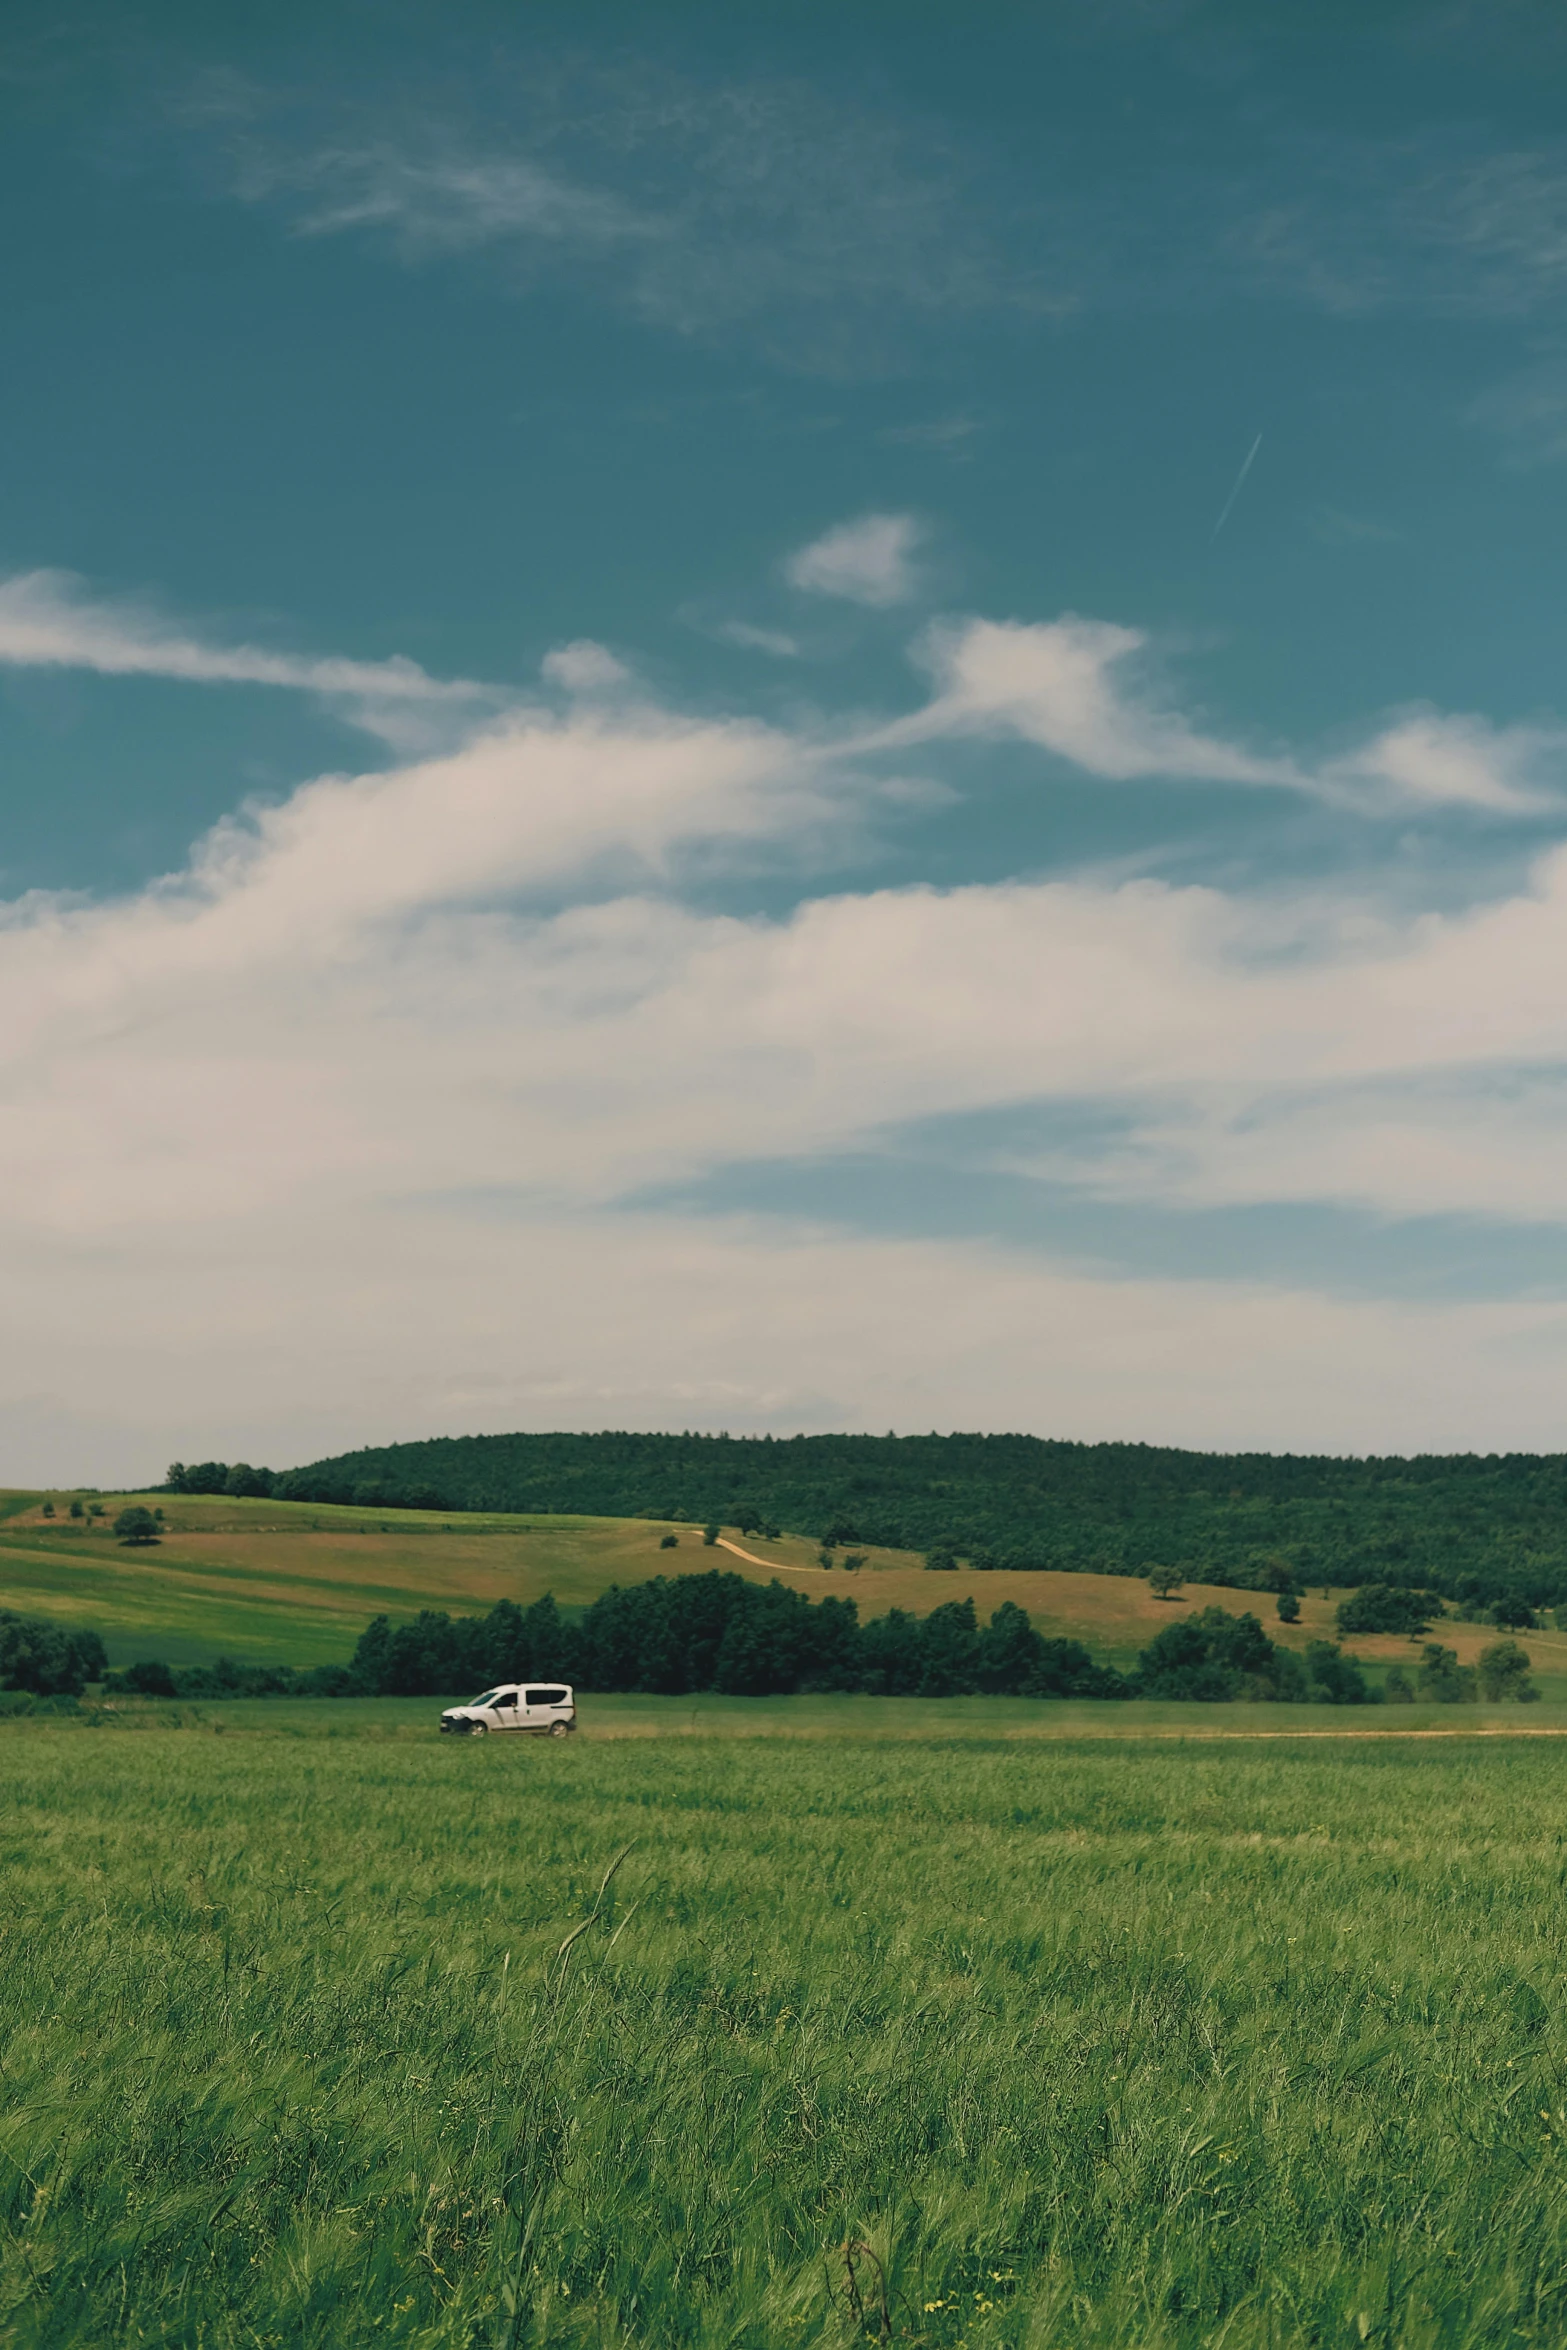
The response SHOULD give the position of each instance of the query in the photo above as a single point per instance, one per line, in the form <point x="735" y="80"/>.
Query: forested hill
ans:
<point x="1015" y="1501"/>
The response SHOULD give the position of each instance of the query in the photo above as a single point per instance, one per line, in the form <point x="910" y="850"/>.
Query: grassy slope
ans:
<point x="1091" y="2044"/>
<point x="296" y="1582"/>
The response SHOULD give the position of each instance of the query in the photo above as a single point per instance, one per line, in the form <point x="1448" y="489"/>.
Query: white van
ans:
<point x="547" y="1709"/>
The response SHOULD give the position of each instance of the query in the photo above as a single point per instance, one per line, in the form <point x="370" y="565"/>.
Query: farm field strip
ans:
<point x="848" y="1721"/>
<point x="1068" y="2044"/>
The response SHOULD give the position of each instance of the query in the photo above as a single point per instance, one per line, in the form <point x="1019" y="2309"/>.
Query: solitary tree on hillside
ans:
<point x="136" y="1526"/>
<point x="1289" y="1608"/>
<point x="1165" y="1582"/>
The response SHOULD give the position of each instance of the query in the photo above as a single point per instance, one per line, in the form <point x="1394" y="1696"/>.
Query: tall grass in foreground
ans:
<point x="1074" y="2046"/>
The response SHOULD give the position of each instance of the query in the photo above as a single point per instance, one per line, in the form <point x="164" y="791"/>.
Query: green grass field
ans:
<point x="1020" y="2039"/>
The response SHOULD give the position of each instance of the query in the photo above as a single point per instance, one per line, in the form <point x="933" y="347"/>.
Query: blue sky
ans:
<point x="774" y="718"/>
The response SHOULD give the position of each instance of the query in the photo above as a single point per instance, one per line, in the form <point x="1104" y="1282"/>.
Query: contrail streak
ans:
<point x="1240" y="483"/>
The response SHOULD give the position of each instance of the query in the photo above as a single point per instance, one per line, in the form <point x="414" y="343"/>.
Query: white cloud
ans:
<point x="360" y="1071"/>
<point x="48" y="621"/>
<point x="586" y="669"/>
<point x="1072" y="685"/>
<point x="759" y="640"/>
<point x="446" y="203"/>
<point x="1063" y="684"/>
<point x="868" y="561"/>
<point x="1436" y="761"/>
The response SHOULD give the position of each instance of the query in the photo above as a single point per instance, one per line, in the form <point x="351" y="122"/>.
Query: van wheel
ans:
<point x="480" y="1730"/>
<point x="559" y="1730"/>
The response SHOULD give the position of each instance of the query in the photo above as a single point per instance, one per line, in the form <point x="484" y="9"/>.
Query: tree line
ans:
<point x="719" y="1633"/>
<point x="1478" y="1529"/>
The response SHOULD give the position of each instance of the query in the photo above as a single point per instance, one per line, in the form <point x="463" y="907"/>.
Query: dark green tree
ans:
<point x="1334" y="1678"/>
<point x="949" y="1646"/>
<point x="1442" y="1679"/>
<point x="136" y="1526"/>
<point x="47" y="1660"/>
<point x="1504" y="1674"/>
<point x="1007" y="1652"/>
<point x="1387" y="1607"/>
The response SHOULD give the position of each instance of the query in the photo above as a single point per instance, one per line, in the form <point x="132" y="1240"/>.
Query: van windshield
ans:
<point x="490" y="1697"/>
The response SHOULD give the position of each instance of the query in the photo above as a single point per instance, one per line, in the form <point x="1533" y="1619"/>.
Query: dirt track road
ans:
<point x="752" y="1560"/>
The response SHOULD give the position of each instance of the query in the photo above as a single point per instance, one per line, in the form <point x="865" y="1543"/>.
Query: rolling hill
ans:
<point x="1470" y="1526"/>
<point x="275" y="1582"/>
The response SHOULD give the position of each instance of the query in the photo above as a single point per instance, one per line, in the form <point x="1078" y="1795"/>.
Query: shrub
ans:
<point x="148" y="1677"/>
<point x="943" y="1560"/>
<point x="1289" y="1608"/>
<point x="1398" y="1689"/>
<point x="669" y="1542"/>
<point x="710" y="1536"/>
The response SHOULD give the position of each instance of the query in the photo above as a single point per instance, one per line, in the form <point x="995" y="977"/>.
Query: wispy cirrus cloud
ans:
<point x="765" y="208"/>
<point x="49" y="620"/>
<point x="449" y="203"/>
<point x="1078" y="688"/>
<point x="1082" y="690"/>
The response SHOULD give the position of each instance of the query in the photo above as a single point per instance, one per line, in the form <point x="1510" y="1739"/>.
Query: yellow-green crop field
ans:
<point x="320" y="2031"/>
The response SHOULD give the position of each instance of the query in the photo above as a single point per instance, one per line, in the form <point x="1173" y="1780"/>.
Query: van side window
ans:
<point x="546" y="1696"/>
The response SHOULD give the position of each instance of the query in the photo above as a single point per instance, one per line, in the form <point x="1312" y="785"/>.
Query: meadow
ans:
<point x="295" y="1583"/>
<point x="916" y="2025"/>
